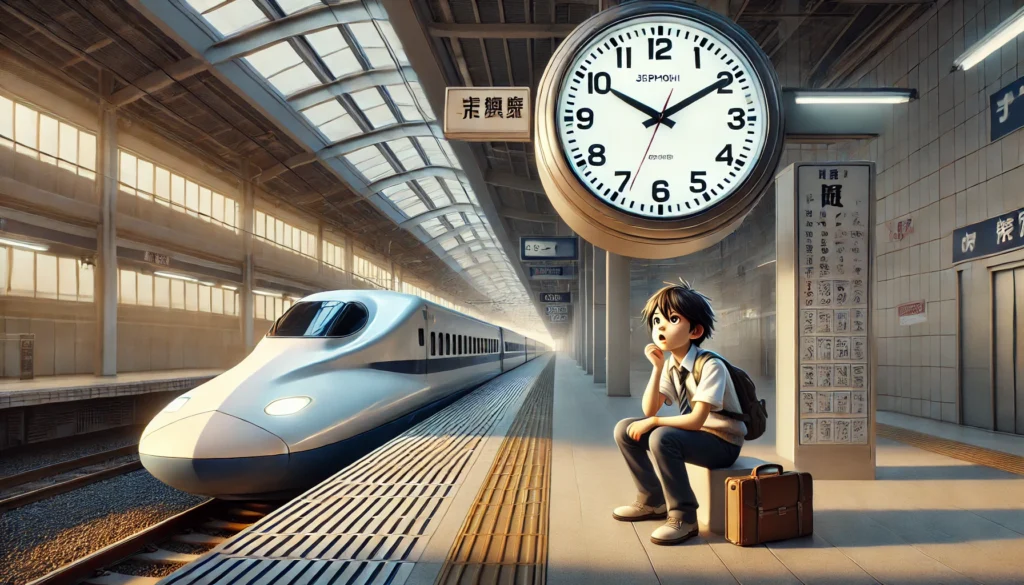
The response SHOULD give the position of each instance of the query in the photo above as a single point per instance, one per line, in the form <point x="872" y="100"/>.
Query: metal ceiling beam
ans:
<point x="421" y="173"/>
<point x="392" y="132"/>
<point x="301" y="159"/>
<point x="436" y="242"/>
<point x="158" y="80"/>
<point x="501" y="31"/>
<point x="512" y="181"/>
<point x="313" y="96"/>
<point x="453" y="208"/>
<point x="302" y="23"/>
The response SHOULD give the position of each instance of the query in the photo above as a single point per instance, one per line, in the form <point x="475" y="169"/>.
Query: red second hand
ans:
<point x="656" y="126"/>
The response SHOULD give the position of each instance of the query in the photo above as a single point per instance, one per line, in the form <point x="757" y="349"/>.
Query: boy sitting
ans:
<point x="680" y="318"/>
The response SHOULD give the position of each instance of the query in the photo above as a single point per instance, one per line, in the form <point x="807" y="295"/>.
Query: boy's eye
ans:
<point x="657" y="320"/>
<point x="675" y="319"/>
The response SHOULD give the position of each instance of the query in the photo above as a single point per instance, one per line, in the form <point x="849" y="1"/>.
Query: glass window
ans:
<point x="129" y="167"/>
<point x="433" y="343"/>
<point x="87" y="150"/>
<point x="67" y="278"/>
<point x="217" y="301"/>
<point x="46" y="276"/>
<point x="191" y="197"/>
<point x="26" y="126"/>
<point x="145" y="288"/>
<point x="204" y="298"/>
<point x="259" y="306"/>
<point x="321" y="319"/>
<point x="85" y="283"/>
<point x="127" y="287"/>
<point x="6" y="118"/>
<point x="230" y="302"/>
<point x="161" y="292"/>
<point x="232" y="17"/>
<point x="177" y="294"/>
<point x="48" y="136"/>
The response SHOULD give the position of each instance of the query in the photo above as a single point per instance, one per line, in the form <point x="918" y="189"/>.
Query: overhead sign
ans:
<point x="158" y="259"/>
<point x="1005" y="116"/>
<point x="564" y="248"/>
<point x="558" y="318"/>
<point x="911" y="313"/>
<point x="486" y="114"/>
<point x="556" y="309"/>
<point x="552" y="272"/>
<point x="556" y="297"/>
<point x="993" y="236"/>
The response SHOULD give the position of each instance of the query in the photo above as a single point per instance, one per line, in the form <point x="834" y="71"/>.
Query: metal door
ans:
<point x="1018" y="401"/>
<point x="1004" y="309"/>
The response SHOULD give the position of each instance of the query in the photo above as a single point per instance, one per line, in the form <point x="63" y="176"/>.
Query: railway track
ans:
<point x="31" y="486"/>
<point x="155" y="552"/>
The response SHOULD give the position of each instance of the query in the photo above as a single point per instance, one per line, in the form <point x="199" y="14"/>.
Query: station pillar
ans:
<point x="584" y="304"/>
<point x="617" y="324"/>
<point x="106" y="240"/>
<point x="598" y="261"/>
<point x="245" y="310"/>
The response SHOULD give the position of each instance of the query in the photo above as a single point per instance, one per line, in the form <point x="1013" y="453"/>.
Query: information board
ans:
<point x="555" y="248"/>
<point x="833" y="231"/>
<point x="556" y="297"/>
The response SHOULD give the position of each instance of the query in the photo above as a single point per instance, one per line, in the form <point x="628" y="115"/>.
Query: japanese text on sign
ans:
<point x="1007" y="109"/>
<point x="487" y="113"/>
<point x="992" y="236"/>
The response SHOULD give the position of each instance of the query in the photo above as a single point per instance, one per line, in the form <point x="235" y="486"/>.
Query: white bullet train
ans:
<point x="338" y="374"/>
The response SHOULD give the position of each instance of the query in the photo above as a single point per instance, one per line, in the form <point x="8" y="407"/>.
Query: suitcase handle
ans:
<point x="757" y="470"/>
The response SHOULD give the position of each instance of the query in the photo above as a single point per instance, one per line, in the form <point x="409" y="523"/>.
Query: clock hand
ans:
<point x="642" y="107"/>
<point x="661" y="116"/>
<point x="667" y="113"/>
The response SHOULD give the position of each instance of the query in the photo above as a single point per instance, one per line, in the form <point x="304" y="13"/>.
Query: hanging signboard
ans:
<point x="552" y="272"/>
<point x="558" y="318"/>
<point x="563" y="248"/>
<point x="1005" y="116"/>
<point x="158" y="259"/>
<point x="486" y="114"/>
<point x="556" y="297"/>
<point x="556" y="309"/>
<point x="993" y="236"/>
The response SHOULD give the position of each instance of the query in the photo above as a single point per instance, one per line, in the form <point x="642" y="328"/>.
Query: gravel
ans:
<point x="29" y="457"/>
<point x="46" y="535"/>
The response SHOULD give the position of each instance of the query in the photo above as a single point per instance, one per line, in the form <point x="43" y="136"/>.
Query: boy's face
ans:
<point x="672" y="332"/>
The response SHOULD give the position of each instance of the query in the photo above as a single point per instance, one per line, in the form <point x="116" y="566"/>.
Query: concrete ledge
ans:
<point x="709" y="487"/>
<point x="73" y="388"/>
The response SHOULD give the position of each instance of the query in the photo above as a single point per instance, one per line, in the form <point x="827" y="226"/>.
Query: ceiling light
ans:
<point x="1002" y="34"/>
<point x="266" y="293"/>
<point x="26" y="245"/>
<point x="229" y="287"/>
<point x="855" y="96"/>
<point x="175" y="276"/>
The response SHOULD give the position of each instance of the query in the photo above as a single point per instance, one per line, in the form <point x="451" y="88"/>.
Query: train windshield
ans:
<point x="320" y="319"/>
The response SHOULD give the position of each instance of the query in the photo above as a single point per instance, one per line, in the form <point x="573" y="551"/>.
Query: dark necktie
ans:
<point x="684" y="401"/>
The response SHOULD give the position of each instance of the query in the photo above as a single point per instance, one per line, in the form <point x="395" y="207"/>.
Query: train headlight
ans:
<point x="176" y="404"/>
<point x="286" y="406"/>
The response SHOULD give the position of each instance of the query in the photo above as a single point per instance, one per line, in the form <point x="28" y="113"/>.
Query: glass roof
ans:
<point x="349" y="50"/>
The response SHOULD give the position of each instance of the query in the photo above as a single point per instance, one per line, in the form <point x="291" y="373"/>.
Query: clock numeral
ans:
<point x="585" y="117"/>
<point x="697" y="184"/>
<point x="596" y="157"/>
<point x="726" y="155"/>
<point x="627" y="175"/>
<point x="599" y="82"/>
<point x="628" y="55"/>
<point x="739" y="117"/>
<point x="659" y="191"/>
<point x="663" y="47"/>
<point x="725" y="75"/>
<point x="696" y="57"/>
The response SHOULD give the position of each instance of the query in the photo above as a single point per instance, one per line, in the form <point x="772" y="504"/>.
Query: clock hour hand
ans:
<point x="668" y="113"/>
<point x="643" y="108"/>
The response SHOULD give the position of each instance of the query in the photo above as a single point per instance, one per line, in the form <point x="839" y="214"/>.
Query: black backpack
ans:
<point x="755" y="413"/>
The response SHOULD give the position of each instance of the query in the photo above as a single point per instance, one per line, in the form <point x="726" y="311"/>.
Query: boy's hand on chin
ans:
<point x="639" y="428"/>
<point x="654" y="355"/>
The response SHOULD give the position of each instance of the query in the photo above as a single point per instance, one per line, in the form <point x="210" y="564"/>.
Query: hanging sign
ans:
<point x="158" y="259"/>
<point x="993" y="236"/>
<point x="552" y="272"/>
<point x="556" y="297"/>
<point x="1005" y="116"/>
<point x="558" y="318"/>
<point x="486" y="114"/>
<point x="563" y="248"/>
<point x="556" y="309"/>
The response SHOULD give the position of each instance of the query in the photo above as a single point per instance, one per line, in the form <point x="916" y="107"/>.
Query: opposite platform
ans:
<point x="50" y="389"/>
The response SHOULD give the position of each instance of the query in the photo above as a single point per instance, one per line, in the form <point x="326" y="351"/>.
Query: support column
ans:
<point x="245" y="310"/>
<point x="350" y="262"/>
<point x="582" y="264"/>
<point x="105" y="293"/>
<point x="589" y="314"/>
<point x="598" y="261"/>
<point x="617" y="325"/>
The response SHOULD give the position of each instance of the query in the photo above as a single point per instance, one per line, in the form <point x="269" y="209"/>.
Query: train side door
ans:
<point x="501" y="348"/>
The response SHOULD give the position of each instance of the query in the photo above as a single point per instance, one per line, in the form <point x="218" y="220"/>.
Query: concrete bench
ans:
<point x="709" y="487"/>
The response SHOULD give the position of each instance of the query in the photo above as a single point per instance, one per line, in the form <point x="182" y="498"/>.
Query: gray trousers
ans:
<point x="672" y="449"/>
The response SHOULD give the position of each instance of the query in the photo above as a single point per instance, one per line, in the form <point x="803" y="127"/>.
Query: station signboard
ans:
<point x="533" y="248"/>
<point x="556" y="309"/>
<point x="556" y="297"/>
<point x="552" y="272"/>
<point x="558" y="318"/>
<point x="487" y="114"/>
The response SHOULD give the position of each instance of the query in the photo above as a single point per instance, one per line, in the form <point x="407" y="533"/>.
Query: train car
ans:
<point x="338" y="374"/>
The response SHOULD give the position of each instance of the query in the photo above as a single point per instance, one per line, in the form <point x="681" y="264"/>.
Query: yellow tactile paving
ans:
<point x="962" y="451"/>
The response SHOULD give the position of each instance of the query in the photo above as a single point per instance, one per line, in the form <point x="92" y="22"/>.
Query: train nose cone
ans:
<point x="215" y="454"/>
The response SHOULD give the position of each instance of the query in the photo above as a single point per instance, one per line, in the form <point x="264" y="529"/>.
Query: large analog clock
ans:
<point x="658" y="128"/>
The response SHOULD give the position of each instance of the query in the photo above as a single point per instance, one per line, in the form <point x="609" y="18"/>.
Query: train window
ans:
<point x="421" y="337"/>
<point x="460" y="345"/>
<point x="433" y="346"/>
<point x="447" y="344"/>
<point x="321" y="319"/>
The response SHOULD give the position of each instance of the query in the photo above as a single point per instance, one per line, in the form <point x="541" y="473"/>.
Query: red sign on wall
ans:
<point x="911" y="313"/>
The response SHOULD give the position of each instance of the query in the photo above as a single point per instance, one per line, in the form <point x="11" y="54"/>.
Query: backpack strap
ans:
<point x="703" y="356"/>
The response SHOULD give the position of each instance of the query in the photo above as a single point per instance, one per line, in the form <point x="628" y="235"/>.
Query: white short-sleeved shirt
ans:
<point x="715" y="388"/>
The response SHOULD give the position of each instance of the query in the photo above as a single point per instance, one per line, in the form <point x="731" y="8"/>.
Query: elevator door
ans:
<point x="1008" y="305"/>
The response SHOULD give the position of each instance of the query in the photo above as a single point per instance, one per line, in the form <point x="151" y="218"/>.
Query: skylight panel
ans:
<point x="373" y="107"/>
<point x="465" y="262"/>
<point x="458" y="193"/>
<point x="434" y="227"/>
<point x="406" y="154"/>
<point x="449" y="153"/>
<point x="416" y="208"/>
<point x="448" y="244"/>
<point x="403" y="99"/>
<point x="455" y="219"/>
<point x="340" y="128"/>
<point x="274" y="59"/>
<point x="434" y="191"/>
<point x="469" y="237"/>
<point x="330" y="45"/>
<point x="434" y="154"/>
<point x="373" y="46"/>
<point x="292" y="80"/>
<point x="392" y="41"/>
<point x="421" y="99"/>
<point x="233" y="17"/>
<point x="293" y="6"/>
<point x="400" y="193"/>
<point x="325" y="112"/>
<point x="371" y="163"/>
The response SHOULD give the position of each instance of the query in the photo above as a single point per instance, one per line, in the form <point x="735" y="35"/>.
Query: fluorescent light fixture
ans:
<point x="229" y="287"/>
<point x="26" y="245"/>
<point x="175" y="276"/>
<point x="855" y="96"/>
<point x="766" y="263"/>
<point x="266" y="293"/>
<point x="286" y="406"/>
<point x="988" y="44"/>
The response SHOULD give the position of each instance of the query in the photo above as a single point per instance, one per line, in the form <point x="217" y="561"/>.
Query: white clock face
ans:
<point x="661" y="117"/>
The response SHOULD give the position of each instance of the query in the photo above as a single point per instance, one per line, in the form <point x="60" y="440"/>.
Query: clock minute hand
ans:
<point x="668" y="113"/>
<point x="642" y="107"/>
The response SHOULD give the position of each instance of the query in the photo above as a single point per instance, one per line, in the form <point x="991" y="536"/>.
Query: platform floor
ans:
<point x="393" y="517"/>
<point x="47" y="389"/>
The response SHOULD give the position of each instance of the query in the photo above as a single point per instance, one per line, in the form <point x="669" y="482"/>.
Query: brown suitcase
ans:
<point x="768" y="505"/>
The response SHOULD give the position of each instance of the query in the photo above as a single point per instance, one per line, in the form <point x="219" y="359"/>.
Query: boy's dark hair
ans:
<point x="686" y="301"/>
